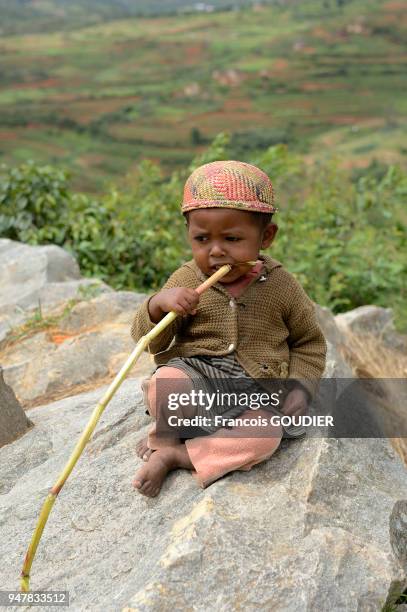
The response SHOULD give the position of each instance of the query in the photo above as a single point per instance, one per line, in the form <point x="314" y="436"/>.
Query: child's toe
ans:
<point x="146" y="487"/>
<point x="147" y="454"/>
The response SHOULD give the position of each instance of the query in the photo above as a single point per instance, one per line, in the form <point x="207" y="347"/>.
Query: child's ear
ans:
<point x="268" y="235"/>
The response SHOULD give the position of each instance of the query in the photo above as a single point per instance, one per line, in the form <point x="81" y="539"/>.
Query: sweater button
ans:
<point x="232" y="303"/>
<point x="231" y="347"/>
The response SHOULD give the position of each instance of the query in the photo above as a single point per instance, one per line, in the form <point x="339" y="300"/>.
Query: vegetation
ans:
<point x="342" y="235"/>
<point x="43" y="15"/>
<point x="313" y="74"/>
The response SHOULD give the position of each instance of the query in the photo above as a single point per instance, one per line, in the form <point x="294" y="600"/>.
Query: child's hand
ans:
<point x="181" y="299"/>
<point x="295" y="403"/>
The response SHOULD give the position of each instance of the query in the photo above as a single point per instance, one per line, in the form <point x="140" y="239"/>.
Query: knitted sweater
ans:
<point x="272" y="326"/>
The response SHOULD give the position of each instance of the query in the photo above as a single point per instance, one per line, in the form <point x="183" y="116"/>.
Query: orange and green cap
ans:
<point x="229" y="184"/>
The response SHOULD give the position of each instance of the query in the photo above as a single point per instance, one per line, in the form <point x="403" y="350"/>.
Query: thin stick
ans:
<point x="83" y="440"/>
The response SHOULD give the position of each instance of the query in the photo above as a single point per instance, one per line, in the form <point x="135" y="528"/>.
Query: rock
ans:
<point x="398" y="532"/>
<point x="13" y="420"/>
<point x="37" y="276"/>
<point x="229" y="77"/>
<point x="336" y="366"/>
<point x="191" y="90"/>
<point x="306" y="530"/>
<point x="398" y="540"/>
<point x="373" y="320"/>
<point x="90" y="343"/>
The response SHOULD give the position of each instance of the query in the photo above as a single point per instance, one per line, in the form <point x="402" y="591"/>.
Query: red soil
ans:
<point x="44" y="84"/>
<point x="280" y="64"/>
<point x="58" y="337"/>
<point x="344" y="119"/>
<point x="193" y="54"/>
<point x="395" y="6"/>
<point x="311" y="86"/>
<point x="7" y="135"/>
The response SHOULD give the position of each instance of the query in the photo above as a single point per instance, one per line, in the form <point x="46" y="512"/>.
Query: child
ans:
<point x="255" y="323"/>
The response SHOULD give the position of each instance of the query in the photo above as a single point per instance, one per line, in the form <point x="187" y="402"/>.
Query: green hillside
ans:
<point x="22" y="16"/>
<point x="322" y="75"/>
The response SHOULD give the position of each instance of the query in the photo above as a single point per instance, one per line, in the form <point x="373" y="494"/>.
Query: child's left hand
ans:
<point x="295" y="403"/>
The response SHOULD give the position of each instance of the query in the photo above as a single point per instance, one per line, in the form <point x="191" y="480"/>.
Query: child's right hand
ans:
<point x="181" y="299"/>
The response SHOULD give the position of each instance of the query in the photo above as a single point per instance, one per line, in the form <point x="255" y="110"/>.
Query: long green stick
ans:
<point x="83" y="440"/>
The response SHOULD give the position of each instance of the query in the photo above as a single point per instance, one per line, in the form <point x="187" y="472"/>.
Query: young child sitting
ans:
<point x="256" y="322"/>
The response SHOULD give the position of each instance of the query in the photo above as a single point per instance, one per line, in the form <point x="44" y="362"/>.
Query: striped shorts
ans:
<point x="205" y="370"/>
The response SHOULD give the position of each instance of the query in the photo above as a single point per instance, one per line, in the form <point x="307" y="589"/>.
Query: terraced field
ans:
<point x="98" y="99"/>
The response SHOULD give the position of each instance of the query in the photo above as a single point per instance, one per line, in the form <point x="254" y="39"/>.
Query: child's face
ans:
<point x="221" y="236"/>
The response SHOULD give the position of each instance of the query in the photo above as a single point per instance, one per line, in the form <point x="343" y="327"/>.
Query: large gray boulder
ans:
<point x="87" y="346"/>
<point x="306" y="530"/>
<point x="373" y="320"/>
<point x="90" y="338"/>
<point x="33" y="277"/>
<point x="336" y="366"/>
<point x="13" y="420"/>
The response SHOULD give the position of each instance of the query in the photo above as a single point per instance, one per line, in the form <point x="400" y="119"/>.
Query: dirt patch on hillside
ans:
<point x="7" y="135"/>
<point x="43" y="84"/>
<point x="395" y="6"/>
<point x="313" y="86"/>
<point x="322" y="34"/>
<point x="234" y="104"/>
<point x="90" y="160"/>
<point x="344" y="119"/>
<point x="89" y="110"/>
<point x="280" y="64"/>
<point x="194" y="54"/>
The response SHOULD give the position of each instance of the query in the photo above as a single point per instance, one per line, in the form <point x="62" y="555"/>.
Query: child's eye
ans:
<point x="201" y="238"/>
<point x="232" y="238"/>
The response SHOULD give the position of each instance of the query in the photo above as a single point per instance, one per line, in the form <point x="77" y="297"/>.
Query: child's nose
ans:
<point x="216" y="250"/>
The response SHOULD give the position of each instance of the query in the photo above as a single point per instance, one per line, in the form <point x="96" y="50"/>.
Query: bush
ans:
<point x="346" y="242"/>
<point x="32" y="199"/>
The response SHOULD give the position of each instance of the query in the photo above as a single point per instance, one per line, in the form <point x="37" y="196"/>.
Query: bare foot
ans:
<point x="149" y="479"/>
<point x="142" y="449"/>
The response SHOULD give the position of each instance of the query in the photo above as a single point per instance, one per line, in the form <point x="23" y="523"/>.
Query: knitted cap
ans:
<point x="229" y="184"/>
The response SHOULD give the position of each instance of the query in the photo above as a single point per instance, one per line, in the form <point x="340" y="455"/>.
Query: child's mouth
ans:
<point x="218" y="266"/>
<point x="233" y="266"/>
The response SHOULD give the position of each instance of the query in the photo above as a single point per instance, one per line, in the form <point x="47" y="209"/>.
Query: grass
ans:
<point x="370" y="358"/>
<point x="398" y="600"/>
<point x="35" y="324"/>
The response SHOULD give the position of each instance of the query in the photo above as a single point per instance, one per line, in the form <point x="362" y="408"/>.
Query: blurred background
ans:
<point x="107" y="105"/>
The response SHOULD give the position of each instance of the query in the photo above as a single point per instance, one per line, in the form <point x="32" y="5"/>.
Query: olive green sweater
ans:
<point x="272" y="326"/>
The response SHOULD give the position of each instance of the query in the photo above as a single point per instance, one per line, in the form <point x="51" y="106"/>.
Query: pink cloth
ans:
<point x="225" y="450"/>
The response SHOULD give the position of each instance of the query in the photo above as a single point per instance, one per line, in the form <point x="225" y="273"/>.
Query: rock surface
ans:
<point x="36" y="275"/>
<point x="336" y="366"/>
<point x="306" y="530"/>
<point x="320" y="526"/>
<point x="13" y="420"/>
<point x="373" y="320"/>
<point x="90" y="343"/>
